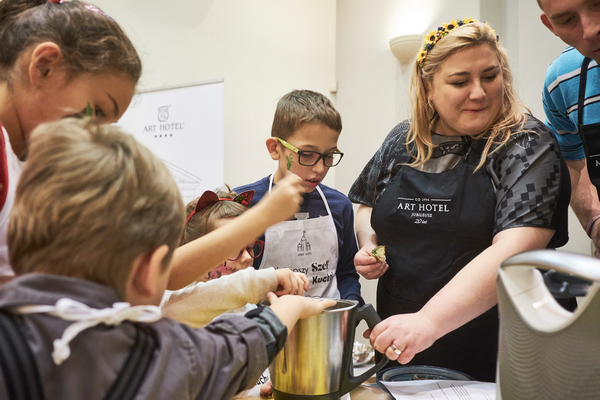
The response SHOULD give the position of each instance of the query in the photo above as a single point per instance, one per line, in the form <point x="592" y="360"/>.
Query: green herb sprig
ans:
<point x="89" y="111"/>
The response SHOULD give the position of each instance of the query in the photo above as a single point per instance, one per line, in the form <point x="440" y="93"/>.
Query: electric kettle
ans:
<point x="546" y="352"/>
<point x="316" y="361"/>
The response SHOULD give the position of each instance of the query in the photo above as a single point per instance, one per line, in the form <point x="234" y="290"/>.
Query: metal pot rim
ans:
<point x="342" y="305"/>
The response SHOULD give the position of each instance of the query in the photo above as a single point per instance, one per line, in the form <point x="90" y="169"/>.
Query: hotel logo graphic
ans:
<point x="304" y="245"/>
<point x="163" y="113"/>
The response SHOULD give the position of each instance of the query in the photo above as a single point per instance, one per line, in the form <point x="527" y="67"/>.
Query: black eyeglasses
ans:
<point x="310" y="158"/>
<point x="254" y="250"/>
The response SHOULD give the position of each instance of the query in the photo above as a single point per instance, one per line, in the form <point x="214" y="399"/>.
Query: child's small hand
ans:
<point x="266" y="391"/>
<point x="285" y="198"/>
<point x="292" y="308"/>
<point x="289" y="282"/>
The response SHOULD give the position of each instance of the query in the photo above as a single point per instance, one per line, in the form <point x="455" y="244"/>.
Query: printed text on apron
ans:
<point x="307" y="245"/>
<point x="432" y="225"/>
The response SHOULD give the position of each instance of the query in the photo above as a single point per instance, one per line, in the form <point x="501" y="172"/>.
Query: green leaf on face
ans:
<point x="89" y="111"/>
<point x="289" y="161"/>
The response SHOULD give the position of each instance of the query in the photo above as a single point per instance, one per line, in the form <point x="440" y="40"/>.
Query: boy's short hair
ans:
<point x="300" y="107"/>
<point x="90" y="200"/>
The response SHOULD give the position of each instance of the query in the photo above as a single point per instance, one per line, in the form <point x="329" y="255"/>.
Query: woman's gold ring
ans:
<point x="395" y="349"/>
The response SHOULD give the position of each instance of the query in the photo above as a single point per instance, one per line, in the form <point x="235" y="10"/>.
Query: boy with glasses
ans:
<point x="320" y="242"/>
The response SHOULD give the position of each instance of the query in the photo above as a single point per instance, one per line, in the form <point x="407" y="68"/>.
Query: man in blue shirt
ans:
<point x="572" y="102"/>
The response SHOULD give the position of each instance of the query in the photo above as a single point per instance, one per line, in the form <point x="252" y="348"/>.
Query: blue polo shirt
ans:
<point x="560" y="97"/>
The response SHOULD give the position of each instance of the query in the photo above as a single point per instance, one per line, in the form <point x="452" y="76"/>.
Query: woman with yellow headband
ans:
<point x="470" y="179"/>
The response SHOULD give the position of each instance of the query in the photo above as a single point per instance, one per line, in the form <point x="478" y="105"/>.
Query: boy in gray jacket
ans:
<point x="91" y="235"/>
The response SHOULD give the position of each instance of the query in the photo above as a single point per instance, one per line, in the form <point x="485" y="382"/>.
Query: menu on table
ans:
<point x="442" y="389"/>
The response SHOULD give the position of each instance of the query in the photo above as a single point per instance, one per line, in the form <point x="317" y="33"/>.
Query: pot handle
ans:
<point x="368" y="313"/>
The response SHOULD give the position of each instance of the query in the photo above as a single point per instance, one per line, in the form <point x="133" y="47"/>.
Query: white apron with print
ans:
<point x="307" y="245"/>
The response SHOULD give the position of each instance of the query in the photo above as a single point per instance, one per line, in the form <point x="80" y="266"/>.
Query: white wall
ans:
<point x="265" y="48"/>
<point x="262" y="49"/>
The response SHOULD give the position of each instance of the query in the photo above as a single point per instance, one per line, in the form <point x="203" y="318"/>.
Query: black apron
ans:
<point x="433" y="224"/>
<point x="590" y="134"/>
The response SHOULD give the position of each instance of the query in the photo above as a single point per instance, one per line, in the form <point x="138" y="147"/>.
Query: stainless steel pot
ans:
<point x="316" y="361"/>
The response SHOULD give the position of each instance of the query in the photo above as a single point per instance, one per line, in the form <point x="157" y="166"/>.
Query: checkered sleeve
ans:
<point x="532" y="182"/>
<point x="381" y="168"/>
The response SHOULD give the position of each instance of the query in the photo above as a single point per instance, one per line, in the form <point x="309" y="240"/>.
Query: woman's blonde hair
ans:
<point x="511" y="114"/>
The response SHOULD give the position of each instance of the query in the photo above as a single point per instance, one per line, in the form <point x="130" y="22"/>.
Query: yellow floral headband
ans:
<point x="435" y="36"/>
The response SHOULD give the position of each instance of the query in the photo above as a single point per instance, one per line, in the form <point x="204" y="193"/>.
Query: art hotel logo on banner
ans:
<point x="163" y="113"/>
<point x="164" y="128"/>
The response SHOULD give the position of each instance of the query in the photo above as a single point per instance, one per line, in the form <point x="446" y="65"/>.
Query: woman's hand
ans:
<point x="364" y="262"/>
<point x="367" y="265"/>
<point x="469" y="294"/>
<point x="290" y="282"/>
<point x="409" y="333"/>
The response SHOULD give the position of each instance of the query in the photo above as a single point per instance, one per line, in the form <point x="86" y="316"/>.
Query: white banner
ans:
<point x="184" y="127"/>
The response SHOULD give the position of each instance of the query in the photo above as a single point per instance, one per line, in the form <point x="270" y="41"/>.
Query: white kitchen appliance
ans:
<point x="546" y="352"/>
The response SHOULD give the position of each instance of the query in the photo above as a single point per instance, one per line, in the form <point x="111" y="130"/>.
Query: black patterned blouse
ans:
<point x="529" y="175"/>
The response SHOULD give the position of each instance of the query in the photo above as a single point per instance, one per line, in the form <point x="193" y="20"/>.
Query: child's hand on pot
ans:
<point x="290" y="282"/>
<point x="290" y="309"/>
